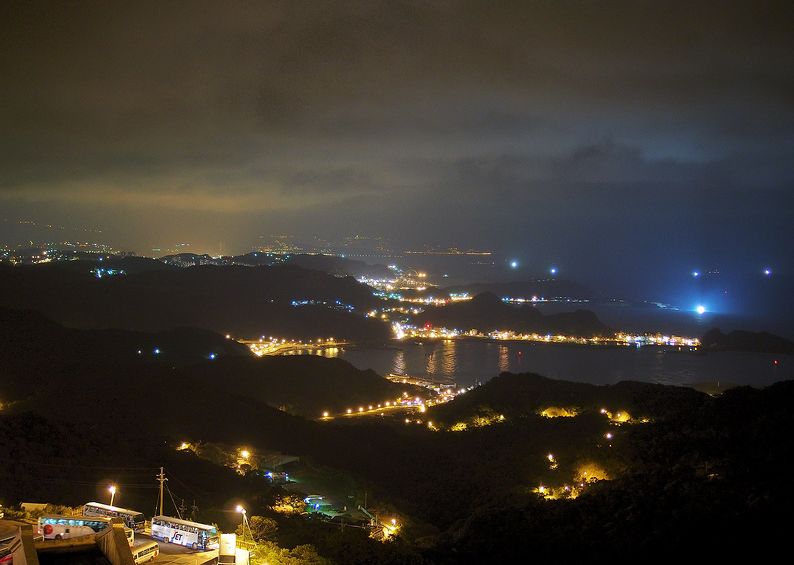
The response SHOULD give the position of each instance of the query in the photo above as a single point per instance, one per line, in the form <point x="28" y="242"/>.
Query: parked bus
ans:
<point x="183" y="532"/>
<point x="144" y="552"/>
<point x="65" y="527"/>
<point x="132" y="518"/>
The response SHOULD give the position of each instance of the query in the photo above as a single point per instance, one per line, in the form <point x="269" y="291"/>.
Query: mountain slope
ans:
<point x="243" y="301"/>
<point x="486" y="312"/>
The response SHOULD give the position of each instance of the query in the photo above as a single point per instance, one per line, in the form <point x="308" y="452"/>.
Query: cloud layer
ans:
<point x="510" y="125"/>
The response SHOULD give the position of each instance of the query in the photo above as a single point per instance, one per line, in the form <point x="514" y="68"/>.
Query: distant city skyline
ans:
<point x="627" y="143"/>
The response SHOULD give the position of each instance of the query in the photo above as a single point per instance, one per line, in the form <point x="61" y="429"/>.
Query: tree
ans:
<point x="289" y="504"/>
<point x="262" y="528"/>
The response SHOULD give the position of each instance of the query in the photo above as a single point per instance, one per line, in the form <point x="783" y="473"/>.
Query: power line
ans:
<point x="173" y="502"/>
<point x="89" y="483"/>
<point x="183" y="483"/>
<point x="68" y="465"/>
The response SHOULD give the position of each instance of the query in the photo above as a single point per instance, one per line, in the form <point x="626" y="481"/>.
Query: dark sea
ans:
<point x="467" y="362"/>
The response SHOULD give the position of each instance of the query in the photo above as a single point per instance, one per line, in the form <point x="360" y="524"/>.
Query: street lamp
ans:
<point x="112" y="491"/>
<point x="241" y="510"/>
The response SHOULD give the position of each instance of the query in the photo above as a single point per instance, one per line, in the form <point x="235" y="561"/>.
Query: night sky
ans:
<point x="622" y="140"/>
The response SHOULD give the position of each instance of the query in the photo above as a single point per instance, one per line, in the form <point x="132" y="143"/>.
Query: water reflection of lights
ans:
<point x="430" y="366"/>
<point x="398" y="368"/>
<point x="449" y="358"/>
<point x="504" y="359"/>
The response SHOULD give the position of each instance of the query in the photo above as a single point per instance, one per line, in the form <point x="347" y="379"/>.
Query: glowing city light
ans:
<point x="700" y="309"/>
<point x="768" y="272"/>
<point x="553" y="270"/>
<point x="695" y="274"/>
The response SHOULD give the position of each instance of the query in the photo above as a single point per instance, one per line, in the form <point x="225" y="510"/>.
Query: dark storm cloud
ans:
<point x="327" y="115"/>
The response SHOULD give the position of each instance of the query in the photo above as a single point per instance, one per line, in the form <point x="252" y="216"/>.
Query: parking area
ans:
<point x="172" y="554"/>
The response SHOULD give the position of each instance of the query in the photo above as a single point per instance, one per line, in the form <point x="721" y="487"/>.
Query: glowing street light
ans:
<point x="768" y="272"/>
<point x="553" y="270"/>
<point x="241" y="510"/>
<point x="245" y="454"/>
<point x="514" y="264"/>
<point x="695" y="274"/>
<point x="112" y="491"/>
<point x="700" y="309"/>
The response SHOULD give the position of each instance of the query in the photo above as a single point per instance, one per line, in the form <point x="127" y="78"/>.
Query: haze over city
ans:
<point x="628" y="142"/>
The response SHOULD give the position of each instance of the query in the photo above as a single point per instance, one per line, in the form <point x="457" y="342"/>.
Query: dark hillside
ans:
<point x="243" y="301"/>
<point x="486" y="312"/>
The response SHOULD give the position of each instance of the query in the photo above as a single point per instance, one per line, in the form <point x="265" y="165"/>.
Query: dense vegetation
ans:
<point x="243" y="301"/>
<point x="668" y="468"/>
<point x="759" y="342"/>
<point x="486" y="312"/>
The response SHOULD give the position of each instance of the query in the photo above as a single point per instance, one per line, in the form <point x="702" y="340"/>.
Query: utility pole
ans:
<point x="162" y="479"/>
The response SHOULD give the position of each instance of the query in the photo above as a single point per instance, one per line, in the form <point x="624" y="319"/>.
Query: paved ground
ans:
<point x="172" y="554"/>
<point x="9" y="528"/>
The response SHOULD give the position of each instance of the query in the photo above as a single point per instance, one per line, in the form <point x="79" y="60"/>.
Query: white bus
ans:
<point x="66" y="527"/>
<point x="145" y="551"/>
<point x="132" y="518"/>
<point x="183" y="532"/>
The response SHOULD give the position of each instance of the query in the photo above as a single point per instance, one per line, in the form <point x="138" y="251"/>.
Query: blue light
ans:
<point x="695" y="274"/>
<point x="514" y="264"/>
<point x="553" y="270"/>
<point x="700" y="309"/>
<point x="156" y="351"/>
<point x="768" y="272"/>
<point x="212" y="356"/>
